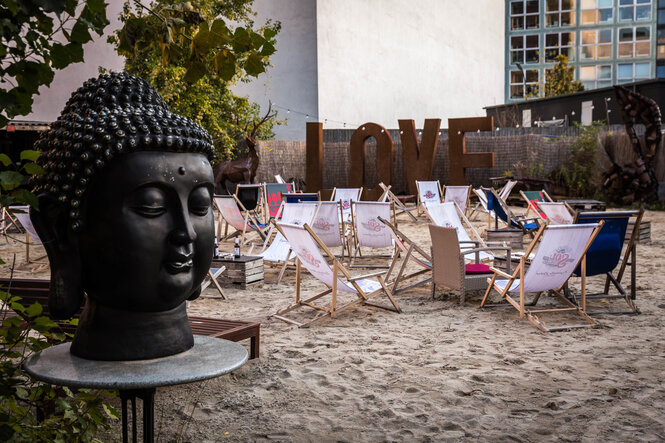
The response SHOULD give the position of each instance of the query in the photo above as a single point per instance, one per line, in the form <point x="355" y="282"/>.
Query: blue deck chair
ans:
<point x="501" y="211"/>
<point x="297" y="197"/>
<point x="605" y="254"/>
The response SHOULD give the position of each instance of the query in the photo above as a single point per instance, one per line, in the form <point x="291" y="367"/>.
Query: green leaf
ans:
<point x="22" y="393"/>
<point x="10" y="179"/>
<point x="34" y="310"/>
<point x="268" y="49"/>
<point x="202" y="42"/>
<point x="225" y="64"/>
<point x="25" y="197"/>
<point x="80" y="33"/>
<point x="33" y="169"/>
<point x="5" y="160"/>
<point x="111" y="411"/>
<point x="254" y="64"/>
<point x="30" y="154"/>
<point x="269" y="33"/>
<point x="195" y="70"/>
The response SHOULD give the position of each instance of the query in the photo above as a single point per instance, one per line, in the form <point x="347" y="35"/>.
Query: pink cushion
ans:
<point x="477" y="269"/>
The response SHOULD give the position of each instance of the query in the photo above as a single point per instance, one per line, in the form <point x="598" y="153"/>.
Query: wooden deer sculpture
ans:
<point x="243" y="169"/>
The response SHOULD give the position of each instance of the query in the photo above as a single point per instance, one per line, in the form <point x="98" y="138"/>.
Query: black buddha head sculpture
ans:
<point x="125" y="215"/>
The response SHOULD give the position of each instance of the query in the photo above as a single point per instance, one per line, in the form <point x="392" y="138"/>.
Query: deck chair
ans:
<point x="7" y="220"/>
<point x="273" y="197"/>
<point x="413" y="254"/>
<point x="211" y="279"/>
<point x="22" y="216"/>
<point x="481" y="205"/>
<point x="557" y="213"/>
<point x="345" y="197"/>
<point x="369" y="232"/>
<point x="458" y="194"/>
<point x="251" y="197"/>
<point x="501" y="211"/>
<point x="428" y="192"/>
<point x="299" y="197"/>
<point x="448" y="263"/>
<point x="533" y="199"/>
<point x="279" y="251"/>
<point x="504" y="192"/>
<point x="340" y="284"/>
<point x="329" y="228"/>
<point x="229" y="215"/>
<point x="449" y="215"/>
<point x="610" y="255"/>
<point x="400" y="208"/>
<point x="279" y="179"/>
<point x="561" y="249"/>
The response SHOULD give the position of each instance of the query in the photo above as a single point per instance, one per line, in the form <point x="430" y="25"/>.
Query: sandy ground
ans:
<point x="436" y="372"/>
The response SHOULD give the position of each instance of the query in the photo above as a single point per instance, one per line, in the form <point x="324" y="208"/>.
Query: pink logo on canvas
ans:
<point x="307" y="256"/>
<point x="558" y="258"/>
<point x="346" y="204"/>
<point x="322" y="225"/>
<point x="373" y="225"/>
<point x="429" y="194"/>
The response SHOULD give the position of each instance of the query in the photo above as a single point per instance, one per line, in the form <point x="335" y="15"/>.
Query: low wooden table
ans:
<point x="587" y="205"/>
<point x="241" y="271"/>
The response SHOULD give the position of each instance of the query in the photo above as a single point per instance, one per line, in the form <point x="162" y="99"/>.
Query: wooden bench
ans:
<point x="36" y="291"/>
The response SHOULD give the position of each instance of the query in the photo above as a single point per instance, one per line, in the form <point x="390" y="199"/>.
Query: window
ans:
<point x="559" y="43"/>
<point x="634" y="10"/>
<point x="660" y="52"/>
<point x="628" y="72"/>
<point x="524" y="14"/>
<point x="524" y="83"/>
<point x="524" y="48"/>
<point x="597" y="76"/>
<point x="660" y="71"/>
<point x="634" y="42"/>
<point x="559" y="13"/>
<point x="596" y="45"/>
<point x="597" y="11"/>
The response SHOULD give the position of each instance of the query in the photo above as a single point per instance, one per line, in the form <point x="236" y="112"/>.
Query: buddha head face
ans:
<point x="125" y="208"/>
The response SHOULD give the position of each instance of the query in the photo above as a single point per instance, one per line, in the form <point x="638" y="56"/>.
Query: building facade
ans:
<point x="608" y="42"/>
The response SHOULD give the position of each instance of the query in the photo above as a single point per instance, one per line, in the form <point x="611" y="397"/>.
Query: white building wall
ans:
<point x="384" y="60"/>
<point x="291" y="81"/>
<point x="97" y="53"/>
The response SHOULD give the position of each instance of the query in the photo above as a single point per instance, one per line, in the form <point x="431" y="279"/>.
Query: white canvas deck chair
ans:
<point x="459" y="195"/>
<point x="561" y="249"/>
<point x="481" y="205"/>
<point x="7" y="219"/>
<point x="449" y="215"/>
<point x="279" y="251"/>
<point x="428" y="192"/>
<point x="557" y="213"/>
<point x="369" y="232"/>
<point x="400" y="208"/>
<point x="504" y="192"/>
<point x="413" y="254"/>
<point x="22" y="216"/>
<point x="329" y="228"/>
<point x="345" y="197"/>
<point x="340" y="284"/>
<point x="230" y="215"/>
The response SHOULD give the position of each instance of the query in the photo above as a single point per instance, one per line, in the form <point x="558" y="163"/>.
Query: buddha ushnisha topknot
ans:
<point x="106" y="117"/>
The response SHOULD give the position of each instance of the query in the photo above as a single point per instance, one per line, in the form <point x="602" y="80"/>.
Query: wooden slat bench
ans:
<point x="36" y="291"/>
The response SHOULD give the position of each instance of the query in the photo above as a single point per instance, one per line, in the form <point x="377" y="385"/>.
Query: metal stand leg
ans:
<point x="148" y="398"/>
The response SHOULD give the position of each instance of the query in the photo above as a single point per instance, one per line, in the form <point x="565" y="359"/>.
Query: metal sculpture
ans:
<point x="384" y="158"/>
<point x="125" y="216"/>
<point x="636" y="182"/>
<point x="230" y="173"/>
<point x="418" y="160"/>
<point x="457" y="155"/>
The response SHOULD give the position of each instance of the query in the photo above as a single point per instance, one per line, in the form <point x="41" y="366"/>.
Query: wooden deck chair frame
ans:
<point x="419" y="204"/>
<point x="412" y="252"/>
<point x="519" y="274"/>
<point x="400" y="208"/>
<point x="532" y="205"/>
<point x="476" y="239"/>
<point x="333" y="197"/>
<point x="333" y="309"/>
<point x="273" y="233"/>
<point x="628" y="256"/>
<point x="213" y="273"/>
<point x="343" y="232"/>
<point x="357" y="252"/>
<point x="468" y="196"/>
<point x="248" y="222"/>
<point x="7" y="220"/>
<point x="512" y="221"/>
<point x="481" y="206"/>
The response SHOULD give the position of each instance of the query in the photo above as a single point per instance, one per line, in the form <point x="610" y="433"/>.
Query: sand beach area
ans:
<point x="438" y="371"/>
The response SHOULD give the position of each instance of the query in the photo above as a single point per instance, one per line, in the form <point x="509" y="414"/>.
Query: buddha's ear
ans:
<point x="51" y="222"/>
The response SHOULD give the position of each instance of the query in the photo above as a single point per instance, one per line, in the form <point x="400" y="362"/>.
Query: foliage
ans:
<point x="37" y="38"/>
<point x="581" y="174"/>
<point x="67" y="416"/>
<point x="12" y="179"/>
<point x="560" y="79"/>
<point x="192" y="57"/>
